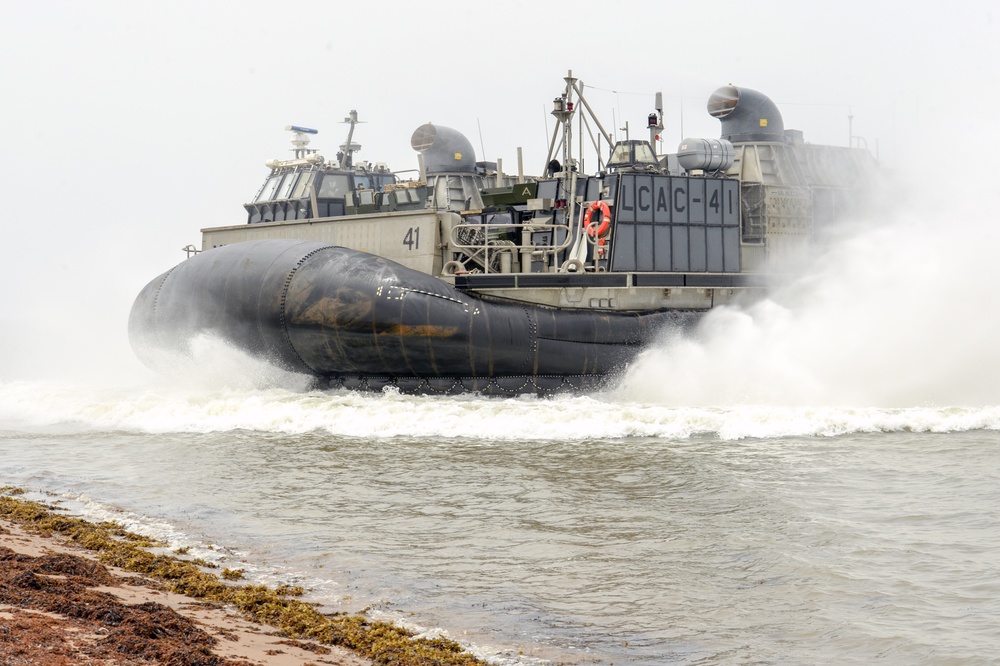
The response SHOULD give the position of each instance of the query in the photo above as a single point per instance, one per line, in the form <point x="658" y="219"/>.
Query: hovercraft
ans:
<point x="468" y="279"/>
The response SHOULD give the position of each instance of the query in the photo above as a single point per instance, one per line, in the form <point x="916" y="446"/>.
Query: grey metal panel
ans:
<point x="679" y="204"/>
<point x="547" y="189"/>
<point x="644" y="245"/>
<point x="626" y="198"/>
<point x="730" y="203"/>
<point x="661" y="200"/>
<point x="572" y="280"/>
<point x="485" y="281"/>
<point x="623" y="248"/>
<point x="657" y="280"/>
<point x="713" y="201"/>
<point x="758" y="280"/>
<point x="731" y="245"/>
<point x="697" y="250"/>
<point x="644" y="198"/>
<point x="680" y="209"/>
<point x="600" y="280"/>
<point x="703" y="280"/>
<point x="662" y="254"/>
<point x="716" y="263"/>
<point x="612" y="184"/>
<point x="679" y="248"/>
<point x="696" y="200"/>
<point x="594" y="186"/>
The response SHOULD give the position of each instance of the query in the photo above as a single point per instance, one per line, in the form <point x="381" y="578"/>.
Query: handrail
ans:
<point x="487" y="226"/>
<point x="495" y="244"/>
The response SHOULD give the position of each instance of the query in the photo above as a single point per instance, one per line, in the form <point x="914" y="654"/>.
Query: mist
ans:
<point x="896" y="309"/>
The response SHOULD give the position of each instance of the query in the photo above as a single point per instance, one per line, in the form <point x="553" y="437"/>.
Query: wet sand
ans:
<point x="60" y="606"/>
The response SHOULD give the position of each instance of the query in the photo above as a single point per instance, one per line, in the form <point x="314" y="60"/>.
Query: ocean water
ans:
<point x="580" y="530"/>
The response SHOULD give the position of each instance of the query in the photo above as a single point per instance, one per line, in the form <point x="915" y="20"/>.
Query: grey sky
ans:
<point x="128" y="126"/>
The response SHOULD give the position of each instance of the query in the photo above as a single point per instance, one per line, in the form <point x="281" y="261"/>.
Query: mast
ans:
<point x="656" y="122"/>
<point x="347" y="149"/>
<point x="564" y="107"/>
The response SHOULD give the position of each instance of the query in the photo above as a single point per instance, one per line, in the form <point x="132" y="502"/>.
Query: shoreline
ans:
<point x="77" y="593"/>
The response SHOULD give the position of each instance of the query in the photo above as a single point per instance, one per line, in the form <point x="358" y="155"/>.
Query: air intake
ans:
<point x="746" y="115"/>
<point x="445" y="150"/>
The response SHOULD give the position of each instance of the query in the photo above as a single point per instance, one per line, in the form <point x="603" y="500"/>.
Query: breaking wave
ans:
<point x="165" y="408"/>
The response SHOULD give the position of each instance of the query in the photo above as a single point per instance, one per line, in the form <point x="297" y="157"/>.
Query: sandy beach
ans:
<point x="74" y="592"/>
<point x="60" y="606"/>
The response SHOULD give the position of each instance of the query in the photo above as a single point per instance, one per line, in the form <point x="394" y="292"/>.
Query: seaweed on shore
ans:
<point x="128" y="633"/>
<point x="382" y="642"/>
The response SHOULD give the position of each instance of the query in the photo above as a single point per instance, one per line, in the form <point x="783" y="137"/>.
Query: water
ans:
<point x="583" y="530"/>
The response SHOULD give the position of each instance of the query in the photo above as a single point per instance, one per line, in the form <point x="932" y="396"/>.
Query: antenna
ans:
<point x="545" y="117"/>
<point x="481" y="146"/>
<point x="300" y="139"/>
<point x="682" y="118"/>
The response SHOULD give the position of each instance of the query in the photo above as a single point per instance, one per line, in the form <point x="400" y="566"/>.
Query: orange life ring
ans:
<point x="597" y="230"/>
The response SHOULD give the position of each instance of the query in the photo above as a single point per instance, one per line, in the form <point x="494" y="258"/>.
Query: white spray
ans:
<point x="899" y="310"/>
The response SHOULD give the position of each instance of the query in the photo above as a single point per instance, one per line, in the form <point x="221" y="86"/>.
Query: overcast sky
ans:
<point x="128" y="126"/>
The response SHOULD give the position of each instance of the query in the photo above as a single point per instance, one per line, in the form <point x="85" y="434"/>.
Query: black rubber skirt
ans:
<point x="360" y="321"/>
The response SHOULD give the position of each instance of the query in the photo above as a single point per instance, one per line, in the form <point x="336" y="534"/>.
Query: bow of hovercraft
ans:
<point x="363" y="321"/>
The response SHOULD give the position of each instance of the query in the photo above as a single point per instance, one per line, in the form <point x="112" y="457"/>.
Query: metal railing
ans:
<point x="485" y="244"/>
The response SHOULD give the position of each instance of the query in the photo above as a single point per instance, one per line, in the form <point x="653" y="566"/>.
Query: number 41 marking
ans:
<point x="412" y="238"/>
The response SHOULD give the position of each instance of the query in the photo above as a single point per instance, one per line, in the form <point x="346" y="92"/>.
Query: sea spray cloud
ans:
<point x="896" y="310"/>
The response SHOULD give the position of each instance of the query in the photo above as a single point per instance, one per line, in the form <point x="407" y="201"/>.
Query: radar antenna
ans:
<point x="300" y="139"/>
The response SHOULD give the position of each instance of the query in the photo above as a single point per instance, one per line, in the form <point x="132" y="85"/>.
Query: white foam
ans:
<point x="168" y="408"/>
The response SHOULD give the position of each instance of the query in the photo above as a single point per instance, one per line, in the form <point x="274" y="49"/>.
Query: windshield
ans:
<point x="620" y="155"/>
<point x="302" y="189"/>
<point x="644" y="154"/>
<point x="286" y="185"/>
<point x="334" y="186"/>
<point x="272" y="184"/>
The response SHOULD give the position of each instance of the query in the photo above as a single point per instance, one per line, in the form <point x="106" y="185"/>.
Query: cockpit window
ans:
<point x="334" y="186"/>
<point x="363" y="181"/>
<point x="633" y="152"/>
<point x="302" y="188"/>
<point x="620" y="154"/>
<point x="286" y="185"/>
<point x="644" y="154"/>
<point x="269" y="187"/>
